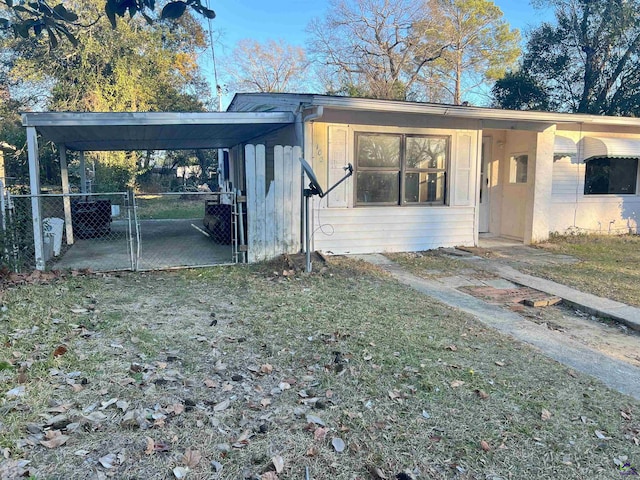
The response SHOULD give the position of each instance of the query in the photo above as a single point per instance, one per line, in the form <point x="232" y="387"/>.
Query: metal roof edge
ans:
<point x="479" y="113"/>
<point x="59" y="119"/>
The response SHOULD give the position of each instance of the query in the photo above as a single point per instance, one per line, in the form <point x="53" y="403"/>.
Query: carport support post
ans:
<point x="36" y="210"/>
<point x="83" y="173"/>
<point x="64" y="173"/>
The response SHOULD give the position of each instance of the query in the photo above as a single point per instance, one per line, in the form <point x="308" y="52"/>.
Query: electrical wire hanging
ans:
<point x="213" y="59"/>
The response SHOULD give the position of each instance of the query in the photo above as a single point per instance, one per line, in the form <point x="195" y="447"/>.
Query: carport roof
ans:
<point x="154" y="130"/>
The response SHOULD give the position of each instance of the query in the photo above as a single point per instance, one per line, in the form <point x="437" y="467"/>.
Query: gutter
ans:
<point x="301" y="119"/>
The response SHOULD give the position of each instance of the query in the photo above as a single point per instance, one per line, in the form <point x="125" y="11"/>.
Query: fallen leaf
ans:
<point x="545" y="415"/>
<point x="265" y="402"/>
<point x="267" y="369"/>
<point x="191" y="458"/>
<point x="482" y="394"/>
<point x="500" y="364"/>
<point x="379" y="473"/>
<point x="269" y="476"/>
<point x="59" y="351"/>
<point x="210" y="383"/>
<point x="108" y="460"/>
<point x="221" y="406"/>
<point x="151" y="443"/>
<point x="108" y="403"/>
<point x="453" y="348"/>
<point x="16" y="392"/>
<point x="96" y="417"/>
<point x="178" y="408"/>
<point x="394" y="394"/>
<point x="601" y="435"/>
<point x="79" y="310"/>
<point x="625" y="415"/>
<point x="319" y="433"/>
<point x="316" y="420"/>
<point x="54" y="439"/>
<point x="456" y="383"/>
<point x="217" y="466"/>
<point x="180" y="472"/>
<point x="122" y="405"/>
<point x="278" y="462"/>
<point x="485" y="446"/>
<point x="312" y="452"/>
<point x="338" y="444"/>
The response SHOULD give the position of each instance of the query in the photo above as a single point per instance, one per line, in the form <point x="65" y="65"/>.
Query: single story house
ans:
<point x="424" y="175"/>
<point x="428" y="176"/>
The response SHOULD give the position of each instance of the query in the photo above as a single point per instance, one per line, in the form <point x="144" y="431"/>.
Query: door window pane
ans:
<point x="518" y="169"/>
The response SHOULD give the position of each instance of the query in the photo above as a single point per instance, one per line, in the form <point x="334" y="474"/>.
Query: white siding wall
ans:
<point x="348" y="229"/>
<point x="574" y="211"/>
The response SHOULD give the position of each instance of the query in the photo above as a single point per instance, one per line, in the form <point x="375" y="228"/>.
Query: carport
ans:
<point x="82" y="132"/>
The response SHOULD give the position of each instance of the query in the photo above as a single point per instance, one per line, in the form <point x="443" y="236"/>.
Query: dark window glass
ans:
<point x="611" y="176"/>
<point x="377" y="187"/>
<point x="401" y="169"/>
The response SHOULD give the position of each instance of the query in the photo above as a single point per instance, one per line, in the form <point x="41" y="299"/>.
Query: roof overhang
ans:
<point x="611" y="147"/>
<point x="154" y="130"/>
<point x="492" y="116"/>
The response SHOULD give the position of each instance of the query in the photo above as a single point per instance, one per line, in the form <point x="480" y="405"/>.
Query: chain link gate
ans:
<point x="120" y="231"/>
<point x="186" y="229"/>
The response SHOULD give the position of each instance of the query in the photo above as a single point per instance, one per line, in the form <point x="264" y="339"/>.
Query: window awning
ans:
<point x="611" y="147"/>
<point x="564" y="146"/>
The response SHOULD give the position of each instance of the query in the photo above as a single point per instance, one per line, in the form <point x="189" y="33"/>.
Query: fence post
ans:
<point x="36" y="210"/>
<point x="64" y="173"/>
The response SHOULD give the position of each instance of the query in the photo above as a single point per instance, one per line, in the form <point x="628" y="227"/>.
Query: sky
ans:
<point x="288" y="19"/>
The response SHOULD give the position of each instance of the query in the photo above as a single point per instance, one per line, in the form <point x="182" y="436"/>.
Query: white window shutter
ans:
<point x="338" y="159"/>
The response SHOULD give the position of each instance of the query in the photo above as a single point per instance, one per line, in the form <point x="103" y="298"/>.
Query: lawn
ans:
<point x="609" y="265"/>
<point x="260" y="373"/>
<point x="172" y="207"/>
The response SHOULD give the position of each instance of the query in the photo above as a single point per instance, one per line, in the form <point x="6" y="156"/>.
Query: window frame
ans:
<point x="635" y="191"/>
<point x="402" y="170"/>
<point x="513" y="168"/>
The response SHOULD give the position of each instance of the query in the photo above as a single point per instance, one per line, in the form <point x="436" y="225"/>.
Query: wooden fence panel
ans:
<point x="273" y="213"/>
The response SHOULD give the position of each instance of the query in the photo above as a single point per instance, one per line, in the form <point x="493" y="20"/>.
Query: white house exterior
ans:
<point x="428" y="176"/>
<point x="424" y="175"/>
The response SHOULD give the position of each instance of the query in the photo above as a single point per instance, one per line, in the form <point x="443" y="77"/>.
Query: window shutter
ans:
<point x="338" y="159"/>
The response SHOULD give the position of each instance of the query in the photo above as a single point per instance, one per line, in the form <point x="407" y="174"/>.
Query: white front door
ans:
<point x="485" y="191"/>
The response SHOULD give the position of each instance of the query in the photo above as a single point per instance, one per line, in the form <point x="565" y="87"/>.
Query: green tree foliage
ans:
<point x="588" y="61"/>
<point x="138" y="66"/>
<point x="38" y="17"/>
<point x="481" y="49"/>
<point x="519" y="91"/>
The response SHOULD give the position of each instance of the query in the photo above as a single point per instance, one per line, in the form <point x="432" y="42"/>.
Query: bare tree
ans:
<point x="374" y="48"/>
<point x="273" y="66"/>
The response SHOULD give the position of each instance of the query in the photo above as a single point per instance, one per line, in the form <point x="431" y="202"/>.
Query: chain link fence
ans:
<point x="120" y="231"/>
<point x="186" y="229"/>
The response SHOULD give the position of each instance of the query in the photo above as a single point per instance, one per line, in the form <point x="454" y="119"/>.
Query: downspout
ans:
<point x="301" y="119"/>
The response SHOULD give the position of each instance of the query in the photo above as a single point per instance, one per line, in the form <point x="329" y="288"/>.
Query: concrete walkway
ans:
<point x="614" y="373"/>
<point x="602" y="307"/>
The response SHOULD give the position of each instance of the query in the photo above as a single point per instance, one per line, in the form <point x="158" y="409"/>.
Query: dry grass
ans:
<point x="400" y="379"/>
<point x="609" y="265"/>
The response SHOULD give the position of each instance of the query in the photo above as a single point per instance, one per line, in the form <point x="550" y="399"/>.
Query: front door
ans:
<point x="485" y="191"/>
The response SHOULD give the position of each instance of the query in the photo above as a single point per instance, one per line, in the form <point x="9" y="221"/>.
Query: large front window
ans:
<point x="611" y="175"/>
<point x="401" y="169"/>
